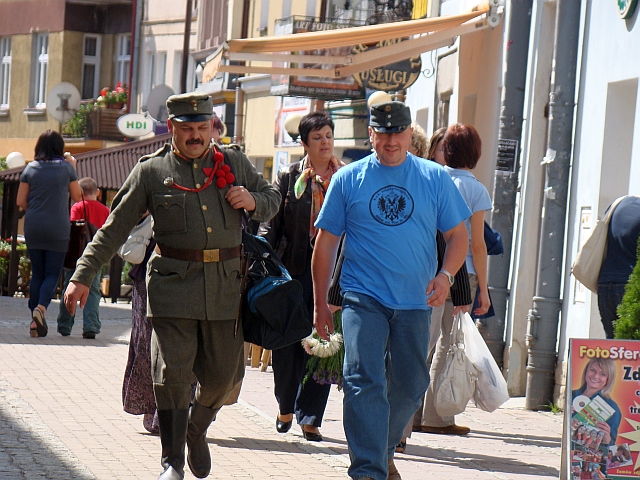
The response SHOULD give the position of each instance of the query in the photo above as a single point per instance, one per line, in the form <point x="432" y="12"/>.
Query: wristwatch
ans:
<point x="448" y="275"/>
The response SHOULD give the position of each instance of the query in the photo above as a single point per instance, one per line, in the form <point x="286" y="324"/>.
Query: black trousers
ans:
<point x="289" y="365"/>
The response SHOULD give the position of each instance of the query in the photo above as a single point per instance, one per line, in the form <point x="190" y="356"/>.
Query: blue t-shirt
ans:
<point x="477" y="198"/>
<point x="390" y="216"/>
<point x="46" y="223"/>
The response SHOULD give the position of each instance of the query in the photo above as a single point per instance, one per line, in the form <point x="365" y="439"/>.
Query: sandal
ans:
<point x="38" y="327"/>
<point x="400" y="448"/>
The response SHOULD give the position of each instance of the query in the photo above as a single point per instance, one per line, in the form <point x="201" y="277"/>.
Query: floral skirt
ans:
<point x="137" y="388"/>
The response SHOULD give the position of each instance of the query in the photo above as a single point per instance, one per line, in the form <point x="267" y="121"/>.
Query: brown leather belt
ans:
<point x="206" y="256"/>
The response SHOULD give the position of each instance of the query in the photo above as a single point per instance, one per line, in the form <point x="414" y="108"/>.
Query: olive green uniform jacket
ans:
<point x="197" y="221"/>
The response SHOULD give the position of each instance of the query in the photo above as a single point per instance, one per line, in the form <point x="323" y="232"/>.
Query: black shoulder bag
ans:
<point x="82" y="232"/>
<point x="272" y="309"/>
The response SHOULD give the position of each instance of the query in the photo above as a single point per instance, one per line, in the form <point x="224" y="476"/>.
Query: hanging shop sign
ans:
<point x="135" y="125"/>
<point x="315" y="87"/>
<point x="389" y="78"/>
<point x="626" y="7"/>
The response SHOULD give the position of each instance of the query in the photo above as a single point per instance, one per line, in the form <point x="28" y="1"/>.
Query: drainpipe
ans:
<point x="185" y="47"/>
<point x="238" y="125"/>
<point x="543" y="318"/>
<point x="507" y="170"/>
<point x="137" y="8"/>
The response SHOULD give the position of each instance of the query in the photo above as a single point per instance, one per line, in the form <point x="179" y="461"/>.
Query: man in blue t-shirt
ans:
<point x="389" y="205"/>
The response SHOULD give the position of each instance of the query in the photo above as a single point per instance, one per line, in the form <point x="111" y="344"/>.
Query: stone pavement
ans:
<point x="61" y="418"/>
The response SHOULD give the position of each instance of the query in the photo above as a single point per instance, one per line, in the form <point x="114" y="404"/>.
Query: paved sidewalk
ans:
<point x="61" y="417"/>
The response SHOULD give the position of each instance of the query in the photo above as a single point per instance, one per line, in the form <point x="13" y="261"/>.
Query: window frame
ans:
<point x="122" y="59"/>
<point x="40" y="70"/>
<point x="5" y="72"/>
<point x="94" y="60"/>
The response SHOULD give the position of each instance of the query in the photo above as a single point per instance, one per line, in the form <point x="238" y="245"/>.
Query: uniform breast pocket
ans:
<point x="170" y="215"/>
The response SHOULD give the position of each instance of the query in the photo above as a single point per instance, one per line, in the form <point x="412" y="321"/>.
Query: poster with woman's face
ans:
<point x="603" y="409"/>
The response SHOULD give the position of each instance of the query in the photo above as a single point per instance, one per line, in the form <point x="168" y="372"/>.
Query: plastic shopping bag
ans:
<point x="491" y="388"/>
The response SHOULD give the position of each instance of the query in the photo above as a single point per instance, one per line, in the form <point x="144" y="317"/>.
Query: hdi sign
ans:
<point x="135" y="125"/>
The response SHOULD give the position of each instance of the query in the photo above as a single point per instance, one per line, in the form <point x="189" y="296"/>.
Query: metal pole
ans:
<point x="238" y="125"/>
<point x="132" y="101"/>
<point x="507" y="170"/>
<point x="185" y="48"/>
<point x="543" y="318"/>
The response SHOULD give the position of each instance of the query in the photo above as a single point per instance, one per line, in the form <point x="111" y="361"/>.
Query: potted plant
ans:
<point x="116" y="98"/>
<point x="78" y="125"/>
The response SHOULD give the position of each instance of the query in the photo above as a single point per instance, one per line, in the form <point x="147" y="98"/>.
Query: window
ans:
<point x="161" y="68"/>
<point x="157" y="69"/>
<point x="91" y="67"/>
<point x="177" y="72"/>
<point x="123" y="58"/>
<point x="264" y="18"/>
<point x="41" y="61"/>
<point x="5" y="71"/>
<point x="286" y="8"/>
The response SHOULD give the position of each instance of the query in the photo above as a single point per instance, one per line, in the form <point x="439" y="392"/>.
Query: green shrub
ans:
<point x="76" y="127"/>
<point x="628" y="325"/>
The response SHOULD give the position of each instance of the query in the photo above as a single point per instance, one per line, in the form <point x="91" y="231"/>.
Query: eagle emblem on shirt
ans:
<point x="391" y="205"/>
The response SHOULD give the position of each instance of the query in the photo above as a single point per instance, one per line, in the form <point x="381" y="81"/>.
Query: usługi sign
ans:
<point x="389" y="78"/>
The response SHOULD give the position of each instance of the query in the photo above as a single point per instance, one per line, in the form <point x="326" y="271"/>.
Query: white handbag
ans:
<point x="457" y="383"/>
<point x="586" y="267"/>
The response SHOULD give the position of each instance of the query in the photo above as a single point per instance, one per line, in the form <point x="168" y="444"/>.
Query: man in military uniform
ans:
<point x="196" y="196"/>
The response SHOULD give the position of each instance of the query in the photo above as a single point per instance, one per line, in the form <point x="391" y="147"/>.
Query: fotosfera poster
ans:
<point x="603" y="409"/>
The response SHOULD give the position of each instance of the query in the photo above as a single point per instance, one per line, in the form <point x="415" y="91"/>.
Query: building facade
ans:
<point x="44" y="43"/>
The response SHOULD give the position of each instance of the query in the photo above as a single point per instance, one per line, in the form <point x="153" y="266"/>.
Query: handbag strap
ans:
<point x="84" y="206"/>
<point x="457" y="335"/>
<point x="609" y="214"/>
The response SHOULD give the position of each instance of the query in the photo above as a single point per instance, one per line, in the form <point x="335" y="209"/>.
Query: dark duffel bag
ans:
<point x="274" y="314"/>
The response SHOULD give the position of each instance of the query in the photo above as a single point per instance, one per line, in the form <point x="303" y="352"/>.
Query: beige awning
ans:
<point x="407" y="39"/>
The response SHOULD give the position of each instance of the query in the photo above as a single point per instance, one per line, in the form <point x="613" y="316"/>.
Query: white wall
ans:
<point x="607" y="143"/>
<point x="162" y="35"/>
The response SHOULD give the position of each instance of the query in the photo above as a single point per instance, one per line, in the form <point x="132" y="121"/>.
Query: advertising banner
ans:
<point x="316" y="87"/>
<point x="602" y="414"/>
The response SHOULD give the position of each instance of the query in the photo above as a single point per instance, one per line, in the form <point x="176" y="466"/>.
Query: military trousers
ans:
<point x="182" y="348"/>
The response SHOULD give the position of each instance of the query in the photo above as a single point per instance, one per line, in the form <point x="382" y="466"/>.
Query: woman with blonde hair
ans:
<point x="597" y="380"/>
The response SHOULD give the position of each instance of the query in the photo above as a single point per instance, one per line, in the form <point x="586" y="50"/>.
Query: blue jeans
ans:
<point x="90" y="312"/>
<point x="385" y="376"/>
<point x="609" y="297"/>
<point x="45" y="273"/>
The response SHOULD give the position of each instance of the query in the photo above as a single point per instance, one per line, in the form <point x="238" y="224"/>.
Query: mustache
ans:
<point x="195" y="141"/>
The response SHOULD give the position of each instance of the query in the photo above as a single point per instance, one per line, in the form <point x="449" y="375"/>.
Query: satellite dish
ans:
<point x="63" y="101"/>
<point x="15" y="159"/>
<point x="157" y="102"/>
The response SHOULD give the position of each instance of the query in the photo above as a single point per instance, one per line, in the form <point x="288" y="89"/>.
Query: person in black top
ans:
<point x="619" y="260"/>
